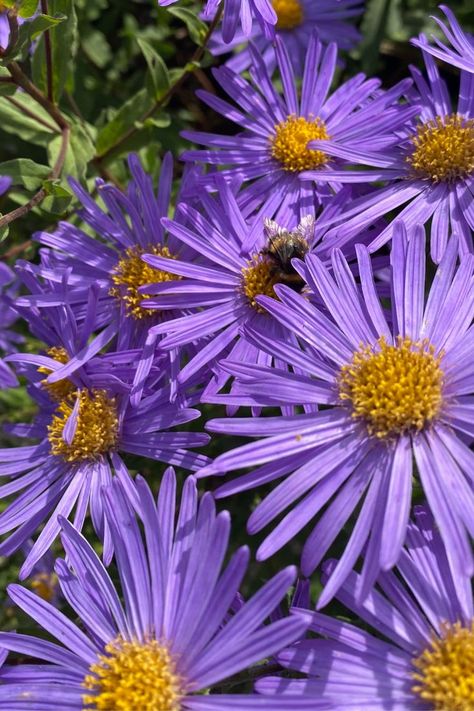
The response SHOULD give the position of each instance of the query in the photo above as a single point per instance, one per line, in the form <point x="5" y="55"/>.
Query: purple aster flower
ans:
<point x="171" y="641"/>
<point x="238" y="14"/>
<point x="430" y="170"/>
<point x="461" y="52"/>
<point x="272" y="150"/>
<point x="297" y="21"/>
<point x="391" y="390"/>
<point x="420" y="654"/>
<point x="111" y="261"/>
<point x="239" y="260"/>
<point x="85" y="422"/>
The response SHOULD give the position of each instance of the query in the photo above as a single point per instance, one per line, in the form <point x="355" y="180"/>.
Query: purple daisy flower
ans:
<point x="390" y="391"/>
<point x="85" y="421"/>
<point x="461" y="52"/>
<point x="430" y="169"/>
<point x="239" y="261"/>
<point x="272" y="151"/>
<point x="238" y="14"/>
<point x="110" y="263"/>
<point x="111" y="260"/>
<point x="297" y="21"/>
<point x="172" y="640"/>
<point x="422" y="653"/>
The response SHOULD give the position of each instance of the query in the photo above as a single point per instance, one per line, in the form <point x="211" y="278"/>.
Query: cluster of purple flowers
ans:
<point x="290" y="284"/>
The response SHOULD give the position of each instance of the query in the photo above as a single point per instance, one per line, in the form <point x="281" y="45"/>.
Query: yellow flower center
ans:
<point x="289" y="14"/>
<point x="96" y="427"/>
<point x="289" y="145"/>
<point x="445" y="677"/>
<point x="62" y="388"/>
<point x="259" y="277"/>
<point x="44" y="585"/>
<point x="393" y="389"/>
<point x="131" y="272"/>
<point x="443" y="149"/>
<point x="133" y="675"/>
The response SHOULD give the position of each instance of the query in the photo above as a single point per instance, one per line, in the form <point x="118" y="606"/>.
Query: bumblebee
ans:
<point x="282" y="247"/>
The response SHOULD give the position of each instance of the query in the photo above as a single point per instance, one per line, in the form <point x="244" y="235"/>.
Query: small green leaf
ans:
<point x="63" y="41"/>
<point x="29" y="31"/>
<point x="80" y="149"/>
<point x="24" y="8"/>
<point x="373" y="29"/>
<point x="124" y="119"/>
<point x="157" y="68"/>
<point x="19" y="119"/>
<point x="26" y="172"/>
<point x="7" y="88"/>
<point x="4" y="230"/>
<point x="163" y="120"/>
<point x="58" y="197"/>
<point x="27" y="8"/>
<point x="196" y="27"/>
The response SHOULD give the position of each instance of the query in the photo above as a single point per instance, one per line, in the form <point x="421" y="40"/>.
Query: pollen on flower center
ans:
<point x="393" y="388"/>
<point x="96" y="427"/>
<point x="443" y="149"/>
<point x="445" y="677"/>
<point x="289" y="145"/>
<point x="131" y="272"/>
<point x="259" y="277"/>
<point x="62" y="388"/>
<point x="289" y="14"/>
<point x="133" y="675"/>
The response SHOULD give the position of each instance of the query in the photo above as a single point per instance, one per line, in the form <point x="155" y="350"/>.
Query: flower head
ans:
<point x="87" y="419"/>
<point x="172" y="638"/>
<point x="239" y="261"/>
<point x="428" y="173"/>
<point x="274" y="148"/>
<point x="422" y="653"/>
<point x="297" y="20"/>
<point x="393" y="389"/>
<point x="127" y="226"/>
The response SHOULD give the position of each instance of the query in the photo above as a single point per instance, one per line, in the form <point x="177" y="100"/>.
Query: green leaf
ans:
<point x="196" y="27"/>
<point x="24" y="8"/>
<point x="58" y="197"/>
<point x="96" y="47"/>
<point x="7" y="88"/>
<point x="3" y="230"/>
<point x="163" y="120"/>
<point x="29" y="31"/>
<point x="157" y="68"/>
<point x="373" y="30"/>
<point x="124" y="119"/>
<point x="27" y="8"/>
<point x="80" y="150"/>
<point x="19" y="119"/>
<point x="26" y="172"/>
<point x="63" y="41"/>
